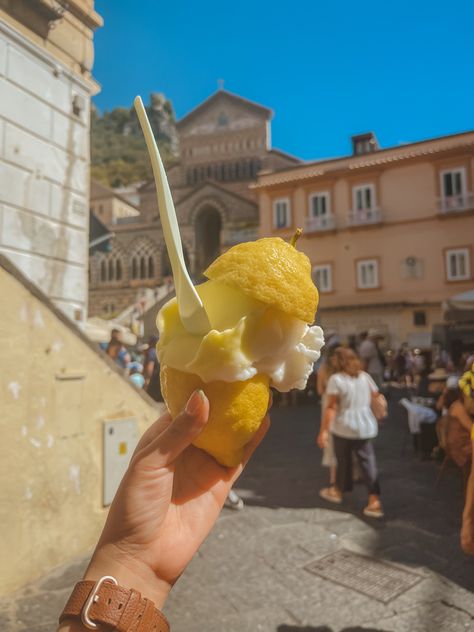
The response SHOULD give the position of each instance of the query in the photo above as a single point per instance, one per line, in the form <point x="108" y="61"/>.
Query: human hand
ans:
<point x="167" y="502"/>
<point x="322" y="439"/>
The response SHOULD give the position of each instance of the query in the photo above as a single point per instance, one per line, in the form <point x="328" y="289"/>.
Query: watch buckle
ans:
<point x="93" y="598"/>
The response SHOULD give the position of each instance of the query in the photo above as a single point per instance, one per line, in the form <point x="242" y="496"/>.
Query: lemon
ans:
<point x="236" y="410"/>
<point x="272" y="271"/>
<point x="266" y="284"/>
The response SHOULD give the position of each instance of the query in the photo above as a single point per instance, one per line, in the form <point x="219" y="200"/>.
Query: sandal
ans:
<point x="331" y="494"/>
<point x="374" y="510"/>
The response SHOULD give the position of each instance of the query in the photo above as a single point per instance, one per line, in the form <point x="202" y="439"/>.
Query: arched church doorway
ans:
<point x="207" y="230"/>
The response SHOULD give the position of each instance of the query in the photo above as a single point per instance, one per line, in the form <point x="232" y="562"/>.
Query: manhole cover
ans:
<point x="371" y="577"/>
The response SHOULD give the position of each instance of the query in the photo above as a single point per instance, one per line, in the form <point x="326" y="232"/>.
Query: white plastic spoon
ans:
<point x="191" y="310"/>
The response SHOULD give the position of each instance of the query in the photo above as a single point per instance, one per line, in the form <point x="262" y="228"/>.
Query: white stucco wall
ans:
<point x="44" y="171"/>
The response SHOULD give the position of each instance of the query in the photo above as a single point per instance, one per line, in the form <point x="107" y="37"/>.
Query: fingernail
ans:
<point x="195" y="402"/>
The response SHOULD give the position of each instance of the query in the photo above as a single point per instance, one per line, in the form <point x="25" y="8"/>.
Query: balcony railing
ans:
<point x="365" y="217"/>
<point x="321" y="223"/>
<point x="234" y="236"/>
<point x="456" y="203"/>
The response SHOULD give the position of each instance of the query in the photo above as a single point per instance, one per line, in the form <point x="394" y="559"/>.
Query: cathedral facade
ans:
<point x="223" y="143"/>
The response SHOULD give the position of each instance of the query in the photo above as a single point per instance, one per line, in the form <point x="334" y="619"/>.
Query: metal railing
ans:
<point x="364" y="217"/>
<point x="456" y="203"/>
<point x="320" y="223"/>
<point x="129" y="219"/>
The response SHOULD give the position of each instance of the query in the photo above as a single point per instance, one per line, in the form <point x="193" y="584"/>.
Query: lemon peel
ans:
<point x="236" y="410"/>
<point x="272" y="271"/>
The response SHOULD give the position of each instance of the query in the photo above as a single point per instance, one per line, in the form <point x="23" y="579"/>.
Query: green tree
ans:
<point x="118" y="152"/>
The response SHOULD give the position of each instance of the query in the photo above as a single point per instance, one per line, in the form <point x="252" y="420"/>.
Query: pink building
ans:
<point x="389" y="232"/>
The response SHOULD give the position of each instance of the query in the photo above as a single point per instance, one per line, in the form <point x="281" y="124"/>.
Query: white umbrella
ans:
<point x="99" y="330"/>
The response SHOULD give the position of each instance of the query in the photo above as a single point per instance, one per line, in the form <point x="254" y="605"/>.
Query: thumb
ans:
<point x="181" y="432"/>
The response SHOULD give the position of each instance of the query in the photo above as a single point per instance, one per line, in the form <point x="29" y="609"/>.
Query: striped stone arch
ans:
<point x="143" y="257"/>
<point x="208" y="218"/>
<point x="111" y="267"/>
<point x="209" y="201"/>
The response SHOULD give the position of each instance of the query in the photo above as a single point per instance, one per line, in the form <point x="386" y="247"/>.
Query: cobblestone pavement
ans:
<point x="250" y="574"/>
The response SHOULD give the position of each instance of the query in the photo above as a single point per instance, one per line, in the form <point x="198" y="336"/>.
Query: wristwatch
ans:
<point x="104" y="605"/>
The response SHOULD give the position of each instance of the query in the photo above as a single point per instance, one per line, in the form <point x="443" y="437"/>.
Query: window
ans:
<point x="453" y="183"/>
<point x="322" y="277"/>
<point x="458" y="265"/>
<point x="319" y="205"/>
<point x="222" y="120"/>
<point x="151" y="267"/>
<point x="281" y="213"/>
<point x="111" y="268"/>
<point x="419" y="319"/>
<point x="365" y="146"/>
<point x="143" y="259"/>
<point x="362" y="147"/>
<point x="143" y="274"/>
<point x="134" y="268"/>
<point x="364" y="197"/>
<point x="367" y="274"/>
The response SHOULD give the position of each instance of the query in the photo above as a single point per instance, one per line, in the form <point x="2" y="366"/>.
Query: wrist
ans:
<point x="129" y="572"/>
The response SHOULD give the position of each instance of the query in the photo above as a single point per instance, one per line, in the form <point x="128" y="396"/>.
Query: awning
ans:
<point x="99" y="236"/>
<point x="460" y="307"/>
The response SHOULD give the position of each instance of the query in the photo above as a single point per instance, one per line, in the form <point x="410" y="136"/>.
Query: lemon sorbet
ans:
<point x="261" y="303"/>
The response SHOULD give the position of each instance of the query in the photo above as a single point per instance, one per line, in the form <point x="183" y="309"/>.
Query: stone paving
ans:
<point x="250" y="574"/>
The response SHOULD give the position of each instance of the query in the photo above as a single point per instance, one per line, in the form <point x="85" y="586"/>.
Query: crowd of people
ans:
<point x="139" y="363"/>
<point x="351" y="381"/>
<point x="161" y="515"/>
<point x="439" y="405"/>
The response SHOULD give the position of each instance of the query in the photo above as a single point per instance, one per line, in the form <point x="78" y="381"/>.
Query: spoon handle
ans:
<point x="191" y="309"/>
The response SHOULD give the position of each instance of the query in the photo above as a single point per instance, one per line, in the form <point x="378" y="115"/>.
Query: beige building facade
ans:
<point x="389" y="232"/>
<point x="223" y="143"/>
<point x="110" y="206"/>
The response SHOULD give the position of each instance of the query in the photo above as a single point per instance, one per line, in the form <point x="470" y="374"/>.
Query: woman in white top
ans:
<point x="352" y="424"/>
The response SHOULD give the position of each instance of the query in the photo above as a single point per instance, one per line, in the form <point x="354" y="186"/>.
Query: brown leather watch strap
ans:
<point x="113" y="608"/>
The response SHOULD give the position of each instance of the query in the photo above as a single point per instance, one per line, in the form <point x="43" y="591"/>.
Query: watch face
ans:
<point x="223" y="120"/>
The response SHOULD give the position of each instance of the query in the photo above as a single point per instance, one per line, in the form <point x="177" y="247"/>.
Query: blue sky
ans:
<point x="328" y="69"/>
